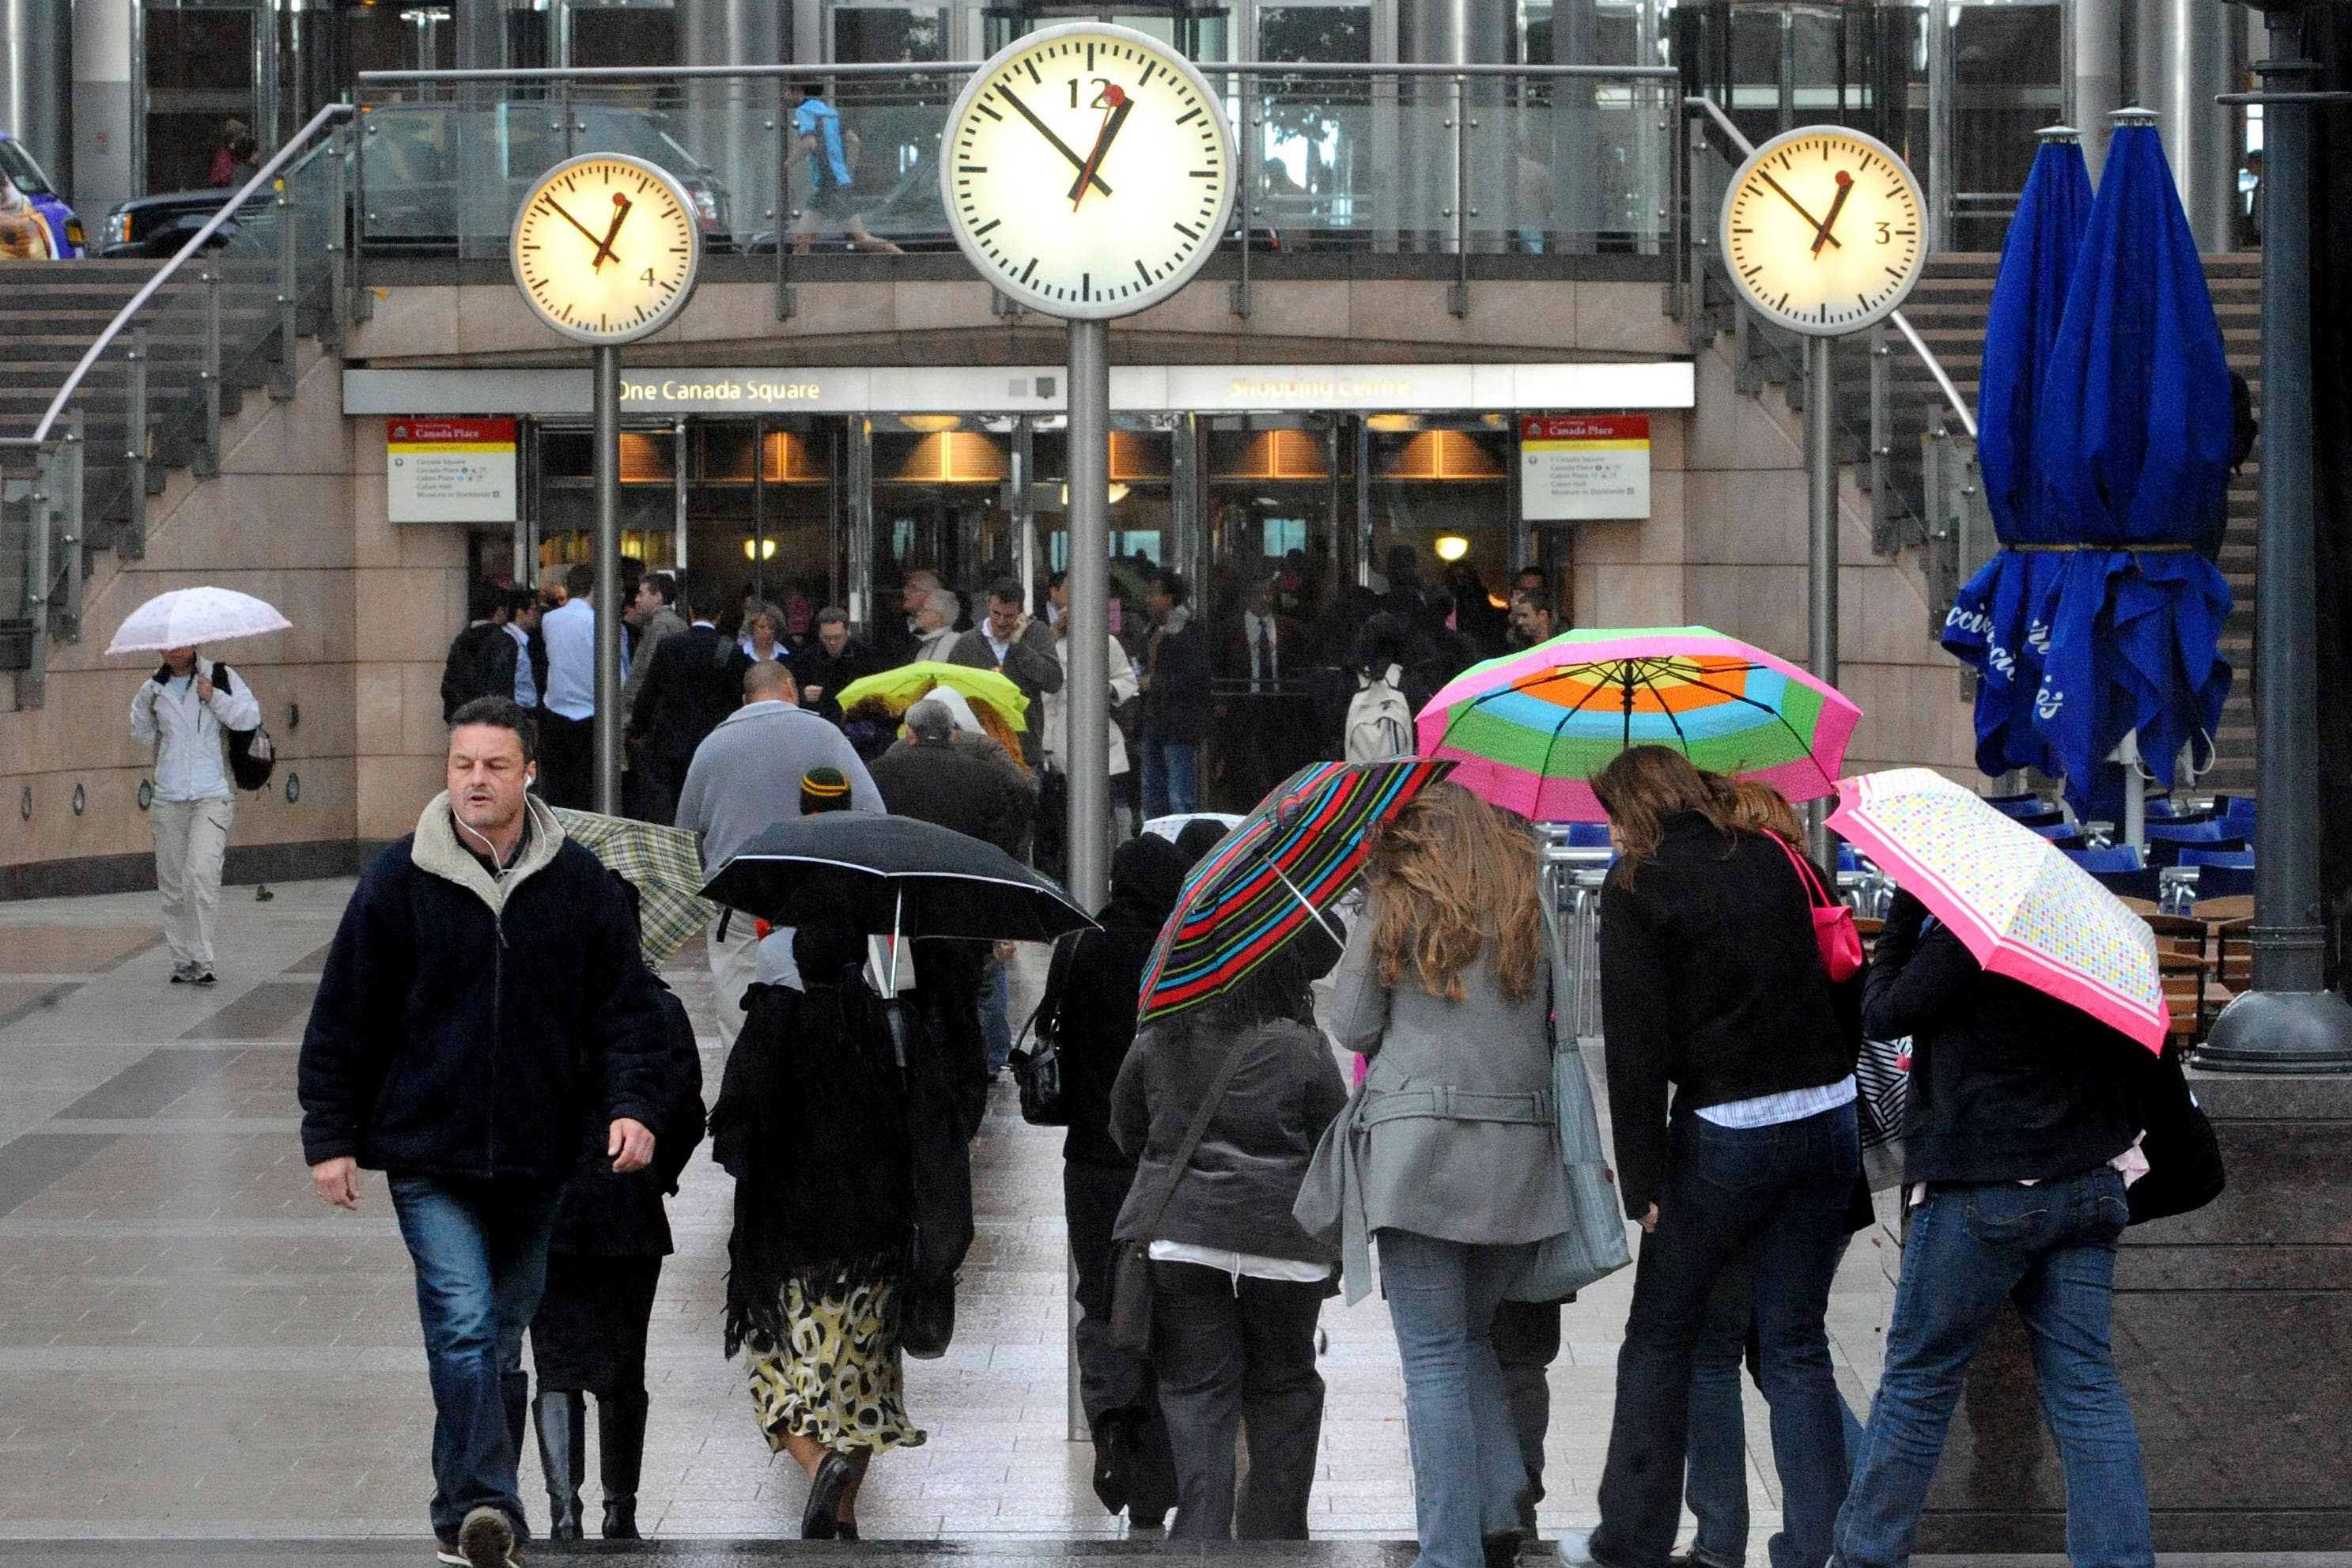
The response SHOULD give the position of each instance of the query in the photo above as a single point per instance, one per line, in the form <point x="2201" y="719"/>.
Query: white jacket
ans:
<point x="191" y="748"/>
<point x="1123" y="688"/>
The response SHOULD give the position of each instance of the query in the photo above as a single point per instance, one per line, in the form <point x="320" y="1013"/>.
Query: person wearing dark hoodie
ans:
<point x="484" y="1006"/>
<point x="2018" y="1138"/>
<point x="603" y="1265"/>
<point x="1089" y="1006"/>
<point x="1236" y="1283"/>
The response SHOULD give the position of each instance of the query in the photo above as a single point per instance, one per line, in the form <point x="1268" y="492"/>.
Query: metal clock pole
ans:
<point x="608" y="581"/>
<point x="1822" y="551"/>
<point x="1085" y="650"/>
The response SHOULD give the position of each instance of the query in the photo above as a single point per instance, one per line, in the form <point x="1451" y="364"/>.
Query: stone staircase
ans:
<point x="1949" y="308"/>
<point x="49" y="315"/>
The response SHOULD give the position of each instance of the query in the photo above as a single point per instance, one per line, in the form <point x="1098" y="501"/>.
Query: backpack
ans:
<point x="252" y="755"/>
<point x="1379" y="724"/>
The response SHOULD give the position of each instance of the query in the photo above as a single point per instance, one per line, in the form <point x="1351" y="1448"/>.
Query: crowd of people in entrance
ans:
<point x="1388" y="1085"/>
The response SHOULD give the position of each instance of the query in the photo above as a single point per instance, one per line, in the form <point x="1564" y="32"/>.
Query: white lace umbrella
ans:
<point x="189" y="617"/>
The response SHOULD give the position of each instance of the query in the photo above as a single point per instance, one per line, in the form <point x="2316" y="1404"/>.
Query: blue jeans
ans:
<point x="995" y="1014"/>
<point x="1777" y="1195"/>
<point x="1716" y="1484"/>
<point x="1467" y="1476"/>
<point x="480" y="1252"/>
<point x="1171" y="773"/>
<point x="2051" y="1248"/>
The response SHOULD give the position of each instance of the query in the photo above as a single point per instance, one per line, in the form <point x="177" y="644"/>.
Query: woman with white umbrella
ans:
<point x="186" y="711"/>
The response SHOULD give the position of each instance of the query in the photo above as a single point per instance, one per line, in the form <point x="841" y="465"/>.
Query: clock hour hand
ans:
<point x="1819" y="227"/>
<point x="1047" y="131"/>
<point x="605" y="246"/>
<point x="1121" y="106"/>
<point x="1845" y="187"/>
<point x="585" y="231"/>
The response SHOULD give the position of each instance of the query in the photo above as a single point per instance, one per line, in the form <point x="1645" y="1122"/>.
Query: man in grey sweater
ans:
<point x="746" y="775"/>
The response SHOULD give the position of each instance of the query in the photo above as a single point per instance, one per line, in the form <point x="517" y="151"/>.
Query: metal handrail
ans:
<point x="965" y="67"/>
<point x="1733" y="134"/>
<point x="264" y="181"/>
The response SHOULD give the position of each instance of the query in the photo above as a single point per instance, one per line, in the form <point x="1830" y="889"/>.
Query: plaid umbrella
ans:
<point x="666" y="865"/>
<point x="1275" y="876"/>
<point x="1531" y="729"/>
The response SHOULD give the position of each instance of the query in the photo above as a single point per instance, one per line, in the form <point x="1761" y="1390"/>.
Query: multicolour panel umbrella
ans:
<point x="1274" y="875"/>
<point x="666" y="865"/>
<point x="1530" y="729"/>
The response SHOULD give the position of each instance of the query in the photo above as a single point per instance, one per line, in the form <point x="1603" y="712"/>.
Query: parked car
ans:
<point x="65" y="228"/>
<point x="158" y="225"/>
<point x="427" y="169"/>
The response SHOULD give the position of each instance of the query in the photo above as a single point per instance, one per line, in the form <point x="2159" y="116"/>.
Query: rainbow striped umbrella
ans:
<point x="1529" y="730"/>
<point x="1274" y="875"/>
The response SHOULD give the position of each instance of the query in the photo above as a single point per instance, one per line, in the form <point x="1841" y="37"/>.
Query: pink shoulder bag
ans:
<point x="1833" y="928"/>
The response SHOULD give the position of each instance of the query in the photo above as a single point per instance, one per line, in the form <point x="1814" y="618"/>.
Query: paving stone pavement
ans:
<point x="191" y="1348"/>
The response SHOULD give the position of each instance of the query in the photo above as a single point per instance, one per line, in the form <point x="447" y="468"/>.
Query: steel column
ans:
<point x="207" y="464"/>
<point x="608" y="581"/>
<point x="2289" y="1022"/>
<point x="1821" y="538"/>
<point x="133" y="544"/>
<point x="66" y="621"/>
<point x="282" y="383"/>
<point x="1088" y="676"/>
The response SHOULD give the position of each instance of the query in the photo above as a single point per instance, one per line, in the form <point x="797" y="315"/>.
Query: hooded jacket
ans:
<point x="1091" y="994"/>
<point x="477" y="1027"/>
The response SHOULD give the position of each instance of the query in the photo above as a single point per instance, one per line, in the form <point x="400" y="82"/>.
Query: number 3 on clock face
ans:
<point x="1088" y="171"/>
<point x="1821" y="230"/>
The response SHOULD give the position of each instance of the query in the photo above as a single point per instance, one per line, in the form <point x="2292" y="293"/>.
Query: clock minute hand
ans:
<point x="1047" y="131"/>
<point x="1121" y="106"/>
<point x="589" y="233"/>
<point x="1818" y="226"/>
<point x="1837" y="204"/>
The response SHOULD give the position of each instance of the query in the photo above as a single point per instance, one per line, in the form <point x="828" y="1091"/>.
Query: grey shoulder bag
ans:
<point x="1131" y="1280"/>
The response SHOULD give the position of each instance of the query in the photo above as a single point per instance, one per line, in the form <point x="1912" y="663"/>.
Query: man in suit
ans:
<point x="1022" y="650"/>
<point x="690" y="684"/>
<point x="832" y="662"/>
<point x="1260" y="660"/>
<point x="653" y="619"/>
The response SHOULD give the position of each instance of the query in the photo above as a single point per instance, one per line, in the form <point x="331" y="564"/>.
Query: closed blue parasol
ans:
<point x="1990" y="626"/>
<point x="2131" y="452"/>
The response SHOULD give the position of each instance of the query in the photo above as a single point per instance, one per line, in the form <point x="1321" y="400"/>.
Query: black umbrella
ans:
<point x="892" y="875"/>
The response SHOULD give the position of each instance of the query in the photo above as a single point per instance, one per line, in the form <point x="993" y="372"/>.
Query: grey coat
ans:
<point x="1452" y="1134"/>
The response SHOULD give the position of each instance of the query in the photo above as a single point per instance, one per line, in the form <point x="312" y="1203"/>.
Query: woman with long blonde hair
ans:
<point x="1452" y="1159"/>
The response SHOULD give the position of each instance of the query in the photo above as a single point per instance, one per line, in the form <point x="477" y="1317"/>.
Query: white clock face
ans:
<point x="606" y="248"/>
<point x="1087" y="171"/>
<point x="1823" y="230"/>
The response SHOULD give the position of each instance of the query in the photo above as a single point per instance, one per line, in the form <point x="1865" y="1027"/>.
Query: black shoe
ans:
<point x="1136" y="1521"/>
<point x="486" y="1538"/>
<point x="1502" y="1551"/>
<point x="620" y="1456"/>
<point x="1117" y="1435"/>
<point x="820" y="1519"/>
<point x="563" y="1421"/>
<point x="845" y="1529"/>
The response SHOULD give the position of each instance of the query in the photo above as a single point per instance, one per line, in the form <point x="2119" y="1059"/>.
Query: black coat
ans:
<point x="2008" y="1083"/>
<point x="1181" y="701"/>
<point x="1711" y="981"/>
<point x="450" y="1038"/>
<point x="481" y="663"/>
<point x="1091" y="993"/>
<point x="812" y="666"/>
<point x="691" y="686"/>
<point x="957" y="785"/>
<point x="604" y="1215"/>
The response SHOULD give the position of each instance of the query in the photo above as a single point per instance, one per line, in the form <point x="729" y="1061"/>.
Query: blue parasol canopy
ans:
<point x="1990" y="626"/>
<point x="2128" y="462"/>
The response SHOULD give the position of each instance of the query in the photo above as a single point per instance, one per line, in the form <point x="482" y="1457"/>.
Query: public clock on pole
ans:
<point x="1087" y="171"/>
<point x="606" y="248"/>
<point x="1824" y="230"/>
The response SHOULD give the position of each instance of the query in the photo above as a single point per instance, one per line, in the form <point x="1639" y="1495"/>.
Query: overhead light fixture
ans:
<point x="1115" y="494"/>
<point x="930" y="424"/>
<point x="1451" y="547"/>
<point x="1391" y="423"/>
<point x="758" y="549"/>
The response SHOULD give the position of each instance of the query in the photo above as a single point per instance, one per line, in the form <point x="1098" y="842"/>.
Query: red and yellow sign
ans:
<point x="450" y="470"/>
<point x="1578" y="466"/>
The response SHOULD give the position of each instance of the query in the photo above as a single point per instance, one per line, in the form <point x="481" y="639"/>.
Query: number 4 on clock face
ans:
<point x="1088" y="171"/>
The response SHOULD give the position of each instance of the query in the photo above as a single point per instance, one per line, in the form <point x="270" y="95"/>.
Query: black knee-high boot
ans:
<point x="562" y="1420"/>
<point x="514" y="1394"/>
<point x="620" y="1456"/>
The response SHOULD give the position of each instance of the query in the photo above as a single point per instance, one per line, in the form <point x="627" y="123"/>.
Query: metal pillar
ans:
<point x="608" y="581"/>
<point x="36" y="82"/>
<point x="2290" y="1022"/>
<point x="1822" y="540"/>
<point x="2186" y="57"/>
<point x="2098" y="72"/>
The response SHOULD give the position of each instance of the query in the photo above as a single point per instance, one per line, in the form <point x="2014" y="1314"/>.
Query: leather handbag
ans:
<point x="1833" y="928"/>
<point x="1131" y="1280"/>
<point x="2184" y="1158"/>
<point x="1036" y="1062"/>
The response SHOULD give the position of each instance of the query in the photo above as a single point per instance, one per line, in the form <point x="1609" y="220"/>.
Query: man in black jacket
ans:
<point x="832" y="662"/>
<point x="486" y="660"/>
<point x="1178" y="700"/>
<point x="484" y="1023"/>
<point x="1022" y="650"/>
<point x="2024" y="1115"/>
<point x="690" y="689"/>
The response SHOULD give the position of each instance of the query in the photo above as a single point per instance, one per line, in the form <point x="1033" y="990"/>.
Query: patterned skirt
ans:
<point x="837" y="1378"/>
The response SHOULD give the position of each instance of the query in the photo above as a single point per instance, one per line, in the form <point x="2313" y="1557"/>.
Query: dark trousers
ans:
<point x="1112" y="1381"/>
<point x="567" y="760"/>
<point x="1782" y="1192"/>
<point x="1230" y="1350"/>
<point x="481" y="1253"/>
<point x="1527" y="1342"/>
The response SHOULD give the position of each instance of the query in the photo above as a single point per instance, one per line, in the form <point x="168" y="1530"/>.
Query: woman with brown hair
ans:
<point x="1712" y="981"/>
<point x="1451" y="1156"/>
